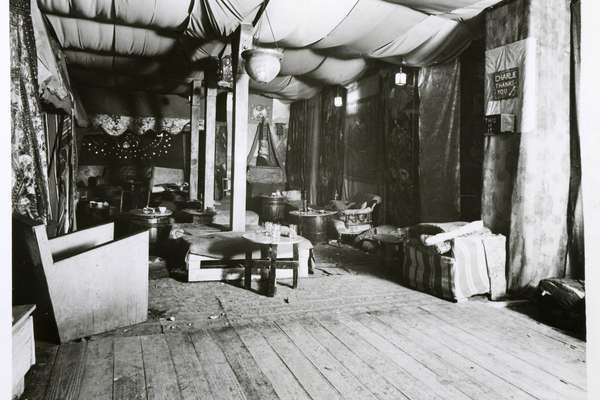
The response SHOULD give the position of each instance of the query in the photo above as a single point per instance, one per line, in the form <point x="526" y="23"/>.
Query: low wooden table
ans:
<point x="268" y="246"/>
<point x="314" y="225"/>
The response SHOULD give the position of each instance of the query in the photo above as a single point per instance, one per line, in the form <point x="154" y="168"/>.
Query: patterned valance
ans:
<point x="116" y="125"/>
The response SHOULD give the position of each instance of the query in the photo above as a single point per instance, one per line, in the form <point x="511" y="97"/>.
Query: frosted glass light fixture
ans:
<point x="400" y="78"/>
<point x="262" y="65"/>
<point x="338" y="101"/>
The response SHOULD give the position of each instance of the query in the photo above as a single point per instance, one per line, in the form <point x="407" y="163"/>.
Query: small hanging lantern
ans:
<point x="262" y="64"/>
<point x="400" y="78"/>
<point x="338" y="101"/>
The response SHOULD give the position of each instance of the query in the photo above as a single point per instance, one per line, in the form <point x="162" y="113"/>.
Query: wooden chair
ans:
<point x="353" y="221"/>
<point x="95" y="283"/>
<point x="160" y="176"/>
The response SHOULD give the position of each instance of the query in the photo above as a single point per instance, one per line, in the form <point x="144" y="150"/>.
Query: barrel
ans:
<point x="158" y="230"/>
<point x="273" y="209"/>
<point x="314" y="227"/>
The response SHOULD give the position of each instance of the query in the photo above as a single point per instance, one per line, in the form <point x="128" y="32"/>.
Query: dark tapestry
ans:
<point x="331" y="156"/>
<point x="472" y="86"/>
<point x="401" y="149"/>
<point x="362" y="128"/>
<point x="30" y="194"/>
<point x="439" y="142"/>
<point x="296" y="145"/>
<point x="302" y="147"/>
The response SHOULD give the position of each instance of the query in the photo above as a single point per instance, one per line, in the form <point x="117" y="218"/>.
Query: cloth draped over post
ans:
<point x="526" y="174"/>
<point x="67" y="175"/>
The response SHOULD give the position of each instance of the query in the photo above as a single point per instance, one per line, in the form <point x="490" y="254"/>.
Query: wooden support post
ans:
<point x="196" y="118"/>
<point x="210" y="125"/>
<point x="240" y="131"/>
<point x="229" y="112"/>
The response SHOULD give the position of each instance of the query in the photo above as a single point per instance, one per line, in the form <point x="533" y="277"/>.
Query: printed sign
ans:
<point x="506" y="84"/>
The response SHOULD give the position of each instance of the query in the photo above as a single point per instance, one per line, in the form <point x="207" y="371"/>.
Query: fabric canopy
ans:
<point x="324" y="41"/>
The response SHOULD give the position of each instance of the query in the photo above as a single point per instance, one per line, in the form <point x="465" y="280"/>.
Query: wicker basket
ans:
<point x="356" y="217"/>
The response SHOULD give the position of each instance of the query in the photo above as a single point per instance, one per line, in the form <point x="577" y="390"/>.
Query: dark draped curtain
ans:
<point x="576" y="263"/>
<point x="30" y="195"/>
<point x="400" y="149"/>
<point x="296" y="147"/>
<point x="331" y="144"/>
<point x="439" y="142"/>
<point x="303" y="146"/>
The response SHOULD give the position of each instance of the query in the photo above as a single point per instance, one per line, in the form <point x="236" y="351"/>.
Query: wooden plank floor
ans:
<point x="439" y="351"/>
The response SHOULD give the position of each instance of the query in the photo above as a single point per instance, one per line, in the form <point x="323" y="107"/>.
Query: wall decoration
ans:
<point x="127" y="147"/>
<point x="116" y="125"/>
<point x="30" y="193"/>
<point x="260" y="111"/>
<point x="225" y="72"/>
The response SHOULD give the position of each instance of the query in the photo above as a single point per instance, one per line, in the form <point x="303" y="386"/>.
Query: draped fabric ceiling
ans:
<point x="160" y="45"/>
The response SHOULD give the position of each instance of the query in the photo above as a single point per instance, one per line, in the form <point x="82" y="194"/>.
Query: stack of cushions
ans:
<point x="456" y="269"/>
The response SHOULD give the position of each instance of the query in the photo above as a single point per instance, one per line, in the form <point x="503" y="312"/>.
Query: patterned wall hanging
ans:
<point x="127" y="147"/>
<point x="117" y="125"/>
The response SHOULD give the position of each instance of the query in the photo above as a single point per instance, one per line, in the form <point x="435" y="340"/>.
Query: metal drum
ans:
<point x="272" y="209"/>
<point x="313" y="225"/>
<point x="158" y="226"/>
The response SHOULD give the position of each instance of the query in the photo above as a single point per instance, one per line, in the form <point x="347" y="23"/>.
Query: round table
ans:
<point x="269" y="245"/>
<point x="200" y="216"/>
<point x="314" y="225"/>
<point x="157" y="224"/>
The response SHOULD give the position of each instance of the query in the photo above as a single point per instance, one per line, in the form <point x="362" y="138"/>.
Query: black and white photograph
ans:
<point x="301" y="200"/>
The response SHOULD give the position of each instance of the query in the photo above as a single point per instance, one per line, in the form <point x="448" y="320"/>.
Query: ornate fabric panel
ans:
<point x="362" y="142"/>
<point x="439" y="142"/>
<point x="401" y="149"/>
<point x="302" y="147"/>
<point x="116" y="125"/>
<point x="30" y="194"/>
<point x="331" y="156"/>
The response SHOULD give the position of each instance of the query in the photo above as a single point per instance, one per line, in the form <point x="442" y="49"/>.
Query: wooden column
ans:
<point x="196" y="119"/>
<point x="210" y="127"/>
<point x="240" y="131"/>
